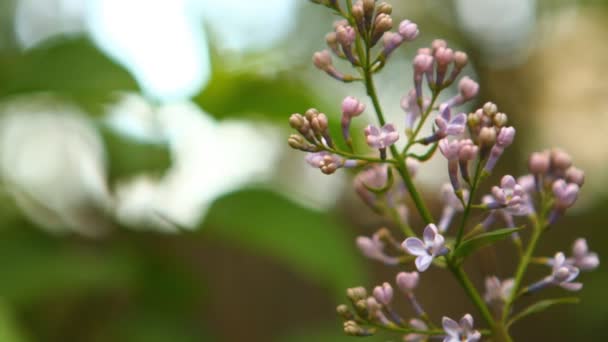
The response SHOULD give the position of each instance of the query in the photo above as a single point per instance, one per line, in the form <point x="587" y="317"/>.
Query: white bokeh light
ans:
<point x="161" y="42"/>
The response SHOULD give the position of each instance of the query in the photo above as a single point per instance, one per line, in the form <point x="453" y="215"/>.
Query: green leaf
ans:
<point x="310" y="242"/>
<point x="482" y="240"/>
<point x="9" y="329"/>
<point x="542" y="306"/>
<point x="247" y="94"/>
<point x="74" y="68"/>
<point x="35" y="267"/>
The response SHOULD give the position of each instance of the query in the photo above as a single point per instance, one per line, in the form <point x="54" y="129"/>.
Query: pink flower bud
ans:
<point x="408" y="30"/>
<point x="352" y="107"/>
<point x="539" y="163"/>
<point x="565" y="194"/>
<point x="467" y="88"/>
<point x="422" y="63"/>
<point x="437" y="43"/>
<point x="575" y="175"/>
<point x="384" y="293"/>
<point x="407" y="281"/>
<point x="460" y="59"/>
<point x="322" y="60"/>
<point x="346" y="35"/>
<point x="505" y="136"/>
<point x="560" y="160"/>
<point x="444" y="56"/>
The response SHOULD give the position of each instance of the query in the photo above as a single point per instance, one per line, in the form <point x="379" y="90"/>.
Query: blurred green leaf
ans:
<point x="51" y="267"/>
<point x="152" y="327"/>
<point x="482" y="240"/>
<point x="242" y="94"/>
<point x="542" y="306"/>
<point x="9" y="331"/>
<point x="310" y="242"/>
<point x="129" y="157"/>
<point x="74" y="68"/>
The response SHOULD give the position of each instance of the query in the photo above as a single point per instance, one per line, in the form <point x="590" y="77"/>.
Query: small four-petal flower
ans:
<point x="427" y="250"/>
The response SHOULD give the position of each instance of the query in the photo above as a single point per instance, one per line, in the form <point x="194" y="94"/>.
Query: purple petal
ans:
<point x="466" y="323"/>
<point x="430" y="231"/>
<point x="507" y="182"/>
<point x="572" y="286"/>
<point x="423" y="262"/>
<point x="450" y="326"/>
<point x="414" y="246"/>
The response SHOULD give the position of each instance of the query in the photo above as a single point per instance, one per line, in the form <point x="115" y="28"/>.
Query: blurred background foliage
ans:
<point x="148" y="194"/>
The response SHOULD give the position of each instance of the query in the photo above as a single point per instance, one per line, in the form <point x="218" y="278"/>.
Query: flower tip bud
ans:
<point x="575" y="175"/>
<point x="460" y="59"/>
<point x="539" y="163"/>
<point x="422" y="63"/>
<point x="487" y="136"/>
<point x="407" y="281"/>
<point x="500" y="119"/>
<point x="408" y="30"/>
<point x="489" y="108"/>
<point x="468" y="88"/>
<point x="385" y="8"/>
<point x="351" y="106"/>
<point x="322" y="60"/>
<point x="438" y="43"/>
<point x="560" y="159"/>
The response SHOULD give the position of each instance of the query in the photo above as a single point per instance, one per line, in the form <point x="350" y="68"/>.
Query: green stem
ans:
<point x="401" y="166"/>
<point x="467" y="209"/>
<point x="523" y="266"/>
<point x="472" y="292"/>
<point x="359" y="157"/>
<point x="423" y="117"/>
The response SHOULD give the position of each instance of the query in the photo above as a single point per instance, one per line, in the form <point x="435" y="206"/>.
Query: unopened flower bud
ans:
<point x="575" y="175"/>
<point x="487" y="136"/>
<point x="345" y="35"/>
<point x="332" y="41"/>
<point x="345" y="312"/>
<point x="467" y="88"/>
<point x="319" y="123"/>
<point x="383" y="23"/>
<point x="298" y="122"/>
<point x="384" y="293"/>
<point x="444" y="56"/>
<point x="391" y="41"/>
<point x="359" y="14"/>
<point x="408" y="30"/>
<point x="385" y="8"/>
<point x="539" y="163"/>
<point x="460" y="59"/>
<point x="322" y="60"/>
<point x="356" y="293"/>
<point x="489" y="108"/>
<point x="560" y="160"/>
<point x="437" y="43"/>
<point x="505" y="136"/>
<point x="500" y="119"/>
<point x="368" y="7"/>
<point x="297" y="142"/>
<point x="565" y="194"/>
<point x="407" y="281"/>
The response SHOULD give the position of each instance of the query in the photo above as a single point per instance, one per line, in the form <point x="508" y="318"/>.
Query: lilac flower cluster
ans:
<point x="472" y="144"/>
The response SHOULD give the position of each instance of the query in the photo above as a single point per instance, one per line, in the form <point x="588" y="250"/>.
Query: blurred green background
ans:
<point x="120" y="118"/>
